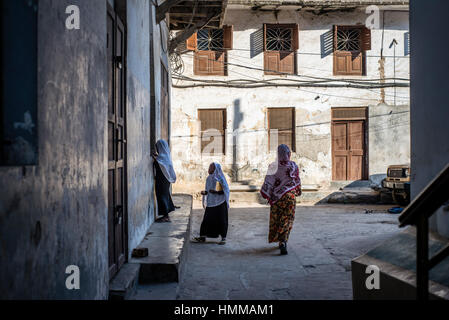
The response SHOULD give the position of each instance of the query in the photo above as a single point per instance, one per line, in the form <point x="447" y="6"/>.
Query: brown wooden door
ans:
<point x="348" y="150"/>
<point x="116" y="144"/>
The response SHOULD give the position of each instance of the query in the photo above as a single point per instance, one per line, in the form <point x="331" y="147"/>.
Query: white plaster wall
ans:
<point x="313" y="105"/>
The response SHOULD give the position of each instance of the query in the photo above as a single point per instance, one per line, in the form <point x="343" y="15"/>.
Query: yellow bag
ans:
<point x="218" y="186"/>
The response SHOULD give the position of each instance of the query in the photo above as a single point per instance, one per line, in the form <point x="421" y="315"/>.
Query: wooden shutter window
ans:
<point x="271" y="62"/>
<point x="283" y="120"/>
<point x="228" y="37"/>
<point x="207" y="62"/>
<point x="350" y="62"/>
<point x="287" y="62"/>
<point x="212" y="119"/>
<point x="264" y="37"/>
<point x="281" y="62"/>
<point x="210" y="63"/>
<point x="295" y="38"/>
<point x="191" y="42"/>
<point x="218" y="63"/>
<point x="366" y="38"/>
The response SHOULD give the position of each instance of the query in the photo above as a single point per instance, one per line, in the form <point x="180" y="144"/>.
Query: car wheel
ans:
<point x="400" y="198"/>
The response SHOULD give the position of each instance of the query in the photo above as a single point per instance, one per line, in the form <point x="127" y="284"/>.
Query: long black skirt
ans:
<point x="164" y="201"/>
<point x="215" y="221"/>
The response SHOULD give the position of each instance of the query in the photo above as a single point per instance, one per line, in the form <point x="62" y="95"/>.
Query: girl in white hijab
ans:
<point x="165" y="175"/>
<point x="215" y="221"/>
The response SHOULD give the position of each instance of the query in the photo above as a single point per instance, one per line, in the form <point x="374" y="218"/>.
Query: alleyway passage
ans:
<point x="323" y="242"/>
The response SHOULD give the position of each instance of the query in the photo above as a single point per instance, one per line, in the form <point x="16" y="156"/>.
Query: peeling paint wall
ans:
<point x="143" y="35"/>
<point x="246" y="108"/>
<point x="55" y="214"/>
<point x="140" y="177"/>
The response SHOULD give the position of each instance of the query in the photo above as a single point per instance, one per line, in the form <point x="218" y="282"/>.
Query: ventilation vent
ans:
<point x="348" y="113"/>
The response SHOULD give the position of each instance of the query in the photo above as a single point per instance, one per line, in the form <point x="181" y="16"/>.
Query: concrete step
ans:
<point x="157" y="291"/>
<point x="396" y="260"/>
<point x="124" y="285"/>
<point x="167" y="246"/>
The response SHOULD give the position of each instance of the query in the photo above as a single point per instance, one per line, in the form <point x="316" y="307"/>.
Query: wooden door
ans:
<point x="116" y="143"/>
<point x="348" y="150"/>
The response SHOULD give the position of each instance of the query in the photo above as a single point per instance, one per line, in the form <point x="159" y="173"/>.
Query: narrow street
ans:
<point x="323" y="241"/>
<point x="121" y="119"/>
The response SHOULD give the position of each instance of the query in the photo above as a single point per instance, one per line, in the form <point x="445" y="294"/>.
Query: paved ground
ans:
<point x="323" y="241"/>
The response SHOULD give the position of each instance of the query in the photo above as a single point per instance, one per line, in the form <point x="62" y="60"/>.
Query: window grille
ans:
<point x="279" y="39"/>
<point x="349" y="40"/>
<point x="210" y="39"/>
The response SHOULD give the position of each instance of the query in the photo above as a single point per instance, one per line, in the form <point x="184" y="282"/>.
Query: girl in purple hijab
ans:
<point x="282" y="185"/>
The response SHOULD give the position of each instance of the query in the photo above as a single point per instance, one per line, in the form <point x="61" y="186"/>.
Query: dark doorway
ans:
<point x="117" y="204"/>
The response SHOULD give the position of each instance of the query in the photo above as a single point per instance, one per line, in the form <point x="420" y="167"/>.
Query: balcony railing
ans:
<point x="434" y="195"/>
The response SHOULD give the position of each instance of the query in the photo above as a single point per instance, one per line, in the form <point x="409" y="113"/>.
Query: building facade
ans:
<point x="330" y="79"/>
<point x="84" y="97"/>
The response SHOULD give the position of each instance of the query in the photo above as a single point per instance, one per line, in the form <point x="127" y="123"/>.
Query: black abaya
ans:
<point x="164" y="201"/>
<point x="215" y="221"/>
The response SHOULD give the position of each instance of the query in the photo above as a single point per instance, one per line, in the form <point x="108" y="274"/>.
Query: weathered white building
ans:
<point x="81" y="111"/>
<point x="330" y="77"/>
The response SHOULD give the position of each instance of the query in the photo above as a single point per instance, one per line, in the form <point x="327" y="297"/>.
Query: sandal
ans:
<point x="163" y="219"/>
<point x="199" y="239"/>
<point x="222" y="242"/>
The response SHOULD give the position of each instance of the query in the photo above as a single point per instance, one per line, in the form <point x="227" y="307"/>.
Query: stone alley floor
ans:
<point x="323" y="241"/>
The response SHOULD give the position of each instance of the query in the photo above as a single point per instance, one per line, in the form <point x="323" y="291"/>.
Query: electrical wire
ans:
<point x="308" y="91"/>
<point x="233" y="55"/>
<point x="303" y="137"/>
<point x="310" y="53"/>
<point x="356" y="81"/>
<point x="390" y="95"/>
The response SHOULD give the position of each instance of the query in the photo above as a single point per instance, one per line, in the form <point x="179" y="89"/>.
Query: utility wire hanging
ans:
<point x="318" y="82"/>
<point x="297" y="88"/>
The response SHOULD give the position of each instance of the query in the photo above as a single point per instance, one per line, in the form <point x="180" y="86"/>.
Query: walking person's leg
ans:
<point x="287" y="220"/>
<point x="224" y="223"/>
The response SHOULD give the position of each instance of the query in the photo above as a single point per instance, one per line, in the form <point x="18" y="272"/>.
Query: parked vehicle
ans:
<point x="398" y="183"/>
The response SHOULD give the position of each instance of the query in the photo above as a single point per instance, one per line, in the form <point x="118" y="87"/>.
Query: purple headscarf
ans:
<point x="282" y="176"/>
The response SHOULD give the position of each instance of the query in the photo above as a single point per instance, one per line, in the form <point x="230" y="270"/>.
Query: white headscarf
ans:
<point x="164" y="160"/>
<point x="212" y="199"/>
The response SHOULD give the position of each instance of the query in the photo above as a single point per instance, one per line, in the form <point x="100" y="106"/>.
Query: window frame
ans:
<point x="217" y="60"/>
<point x="277" y="54"/>
<point x="224" y="111"/>
<point x="365" y="45"/>
<point x="293" y="127"/>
